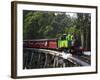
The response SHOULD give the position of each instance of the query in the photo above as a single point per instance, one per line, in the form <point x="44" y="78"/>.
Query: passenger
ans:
<point x="77" y="45"/>
<point x="70" y="40"/>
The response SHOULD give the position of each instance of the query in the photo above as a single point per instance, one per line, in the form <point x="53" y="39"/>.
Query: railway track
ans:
<point x="42" y="58"/>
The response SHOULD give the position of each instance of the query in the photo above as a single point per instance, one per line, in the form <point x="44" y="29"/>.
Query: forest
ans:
<point x="48" y="25"/>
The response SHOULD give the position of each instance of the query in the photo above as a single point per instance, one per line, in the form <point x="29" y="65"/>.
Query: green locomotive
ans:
<point x="65" y="42"/>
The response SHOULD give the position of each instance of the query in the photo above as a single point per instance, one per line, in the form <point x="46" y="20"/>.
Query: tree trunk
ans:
<point x="82" y="40"/>
<point x="86" y="39"/>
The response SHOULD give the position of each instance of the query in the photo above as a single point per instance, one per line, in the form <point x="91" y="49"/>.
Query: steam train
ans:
<point x="55" y="44"/>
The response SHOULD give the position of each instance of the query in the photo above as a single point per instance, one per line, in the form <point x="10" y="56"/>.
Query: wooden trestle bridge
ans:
<point x="42" y="58"/>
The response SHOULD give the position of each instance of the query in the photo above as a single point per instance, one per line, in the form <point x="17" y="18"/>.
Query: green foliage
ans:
<point x="40" y="24"/>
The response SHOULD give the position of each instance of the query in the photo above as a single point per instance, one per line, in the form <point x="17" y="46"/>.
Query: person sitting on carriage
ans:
<point x="77" y="45"/>
<point x="70" y="39"/>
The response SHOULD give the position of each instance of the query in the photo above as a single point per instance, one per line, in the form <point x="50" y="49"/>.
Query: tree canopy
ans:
<point x="44" y="24"/>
